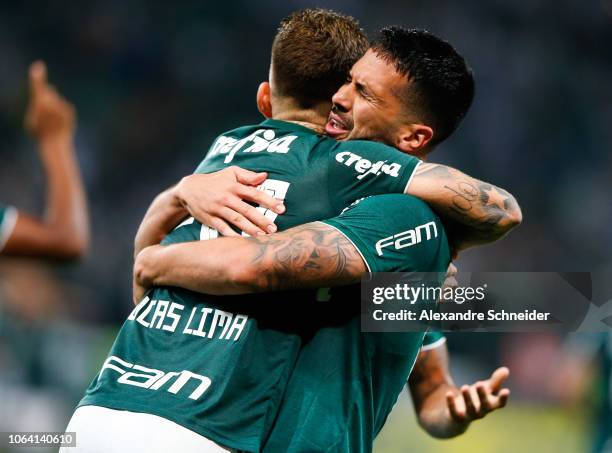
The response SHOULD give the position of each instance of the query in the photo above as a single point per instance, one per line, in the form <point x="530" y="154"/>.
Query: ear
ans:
<point x="264" y="101"/>
<point x="414" y="138"/>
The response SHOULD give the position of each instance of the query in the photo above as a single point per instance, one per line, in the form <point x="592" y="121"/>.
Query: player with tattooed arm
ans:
<point x="218" y="370"/>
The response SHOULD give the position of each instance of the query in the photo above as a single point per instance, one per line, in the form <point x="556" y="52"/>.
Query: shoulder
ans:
<point x="398" y="207"/>
<point x="372" y="158"/>
<point x="395" y="232"/>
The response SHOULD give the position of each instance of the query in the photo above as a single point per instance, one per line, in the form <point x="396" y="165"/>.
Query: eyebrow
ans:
<point x="364" y="89"/>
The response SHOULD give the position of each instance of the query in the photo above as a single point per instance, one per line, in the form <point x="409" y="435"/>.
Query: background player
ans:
<point x="64" y="231"/>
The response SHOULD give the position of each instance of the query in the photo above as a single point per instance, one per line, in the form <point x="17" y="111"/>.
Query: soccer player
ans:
<point x="219" y="366"/>
<point x="64" y="232"/>
<point x="443" y="410"/>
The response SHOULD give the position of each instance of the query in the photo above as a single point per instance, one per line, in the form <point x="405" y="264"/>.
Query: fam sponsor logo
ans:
<point x="259" y="141"/>
<point x="408" y="238"/>
<point x="366" y="167"/>
<point x="152" y="379"/>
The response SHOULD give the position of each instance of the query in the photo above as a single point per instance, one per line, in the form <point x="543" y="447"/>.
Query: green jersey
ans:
<point x="219" y="366"/>
<point x="345" y="382"/>
<point x="8" y="217"/>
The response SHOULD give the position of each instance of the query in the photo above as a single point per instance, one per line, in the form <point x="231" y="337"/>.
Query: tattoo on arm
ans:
<point x="310" y="255"/>
<point x="476" y="204"/>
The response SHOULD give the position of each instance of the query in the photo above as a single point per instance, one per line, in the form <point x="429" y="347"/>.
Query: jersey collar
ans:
<point x="287" y="125"/>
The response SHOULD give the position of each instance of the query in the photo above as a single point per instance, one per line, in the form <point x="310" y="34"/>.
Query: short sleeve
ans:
<point x="395" y="233"/>
<point x="8" y="218"/>
<point x="433" y="340"/>
<point x="361" y="168"/>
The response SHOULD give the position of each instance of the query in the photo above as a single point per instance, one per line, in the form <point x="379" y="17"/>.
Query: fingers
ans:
<point x="472" y="404"/>
<point x="239" y="221"/>
<point x="487" y="401"/>
<point x="477" y="400"/>
<point x="457" y="412"/>
<point x="504" y="394"/>
<point x="247" y="190"/>
<point x="260" y="197"/>
<point x="248" y="177"/>
<point x="497" y="378"/>
<point x="221" y="226"/>
<point x="38" y="77"/>
<point x="257" y="221"/>
<point x="218" y="198"/>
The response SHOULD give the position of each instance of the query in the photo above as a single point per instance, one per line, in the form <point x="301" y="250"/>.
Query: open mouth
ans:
<point x="336" y="127"/>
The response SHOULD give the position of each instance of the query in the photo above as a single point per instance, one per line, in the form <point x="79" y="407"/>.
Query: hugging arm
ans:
<point x="333" y="252"/>
<point x="474" y="211"/>
<point x="308" y="256"/>
<point x="217" y="200"/>
<point x="478" y="212"/>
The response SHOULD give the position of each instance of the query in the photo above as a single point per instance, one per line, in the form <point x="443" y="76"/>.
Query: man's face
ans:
<point x="367" y="106"/>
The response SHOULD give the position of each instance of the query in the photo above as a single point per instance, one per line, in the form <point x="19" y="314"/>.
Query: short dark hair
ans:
<point x="441" y="84"/>
<point x="313" y="52"/>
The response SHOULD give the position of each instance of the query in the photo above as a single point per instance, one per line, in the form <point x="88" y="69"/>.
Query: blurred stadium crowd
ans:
<point x="154" y="83"/>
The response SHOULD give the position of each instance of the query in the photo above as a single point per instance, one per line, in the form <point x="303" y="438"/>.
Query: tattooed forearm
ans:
<point x="488" y="211"/>
<point x="310" y="255"/>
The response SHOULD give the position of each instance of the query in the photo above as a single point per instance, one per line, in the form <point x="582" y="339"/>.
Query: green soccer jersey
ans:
<point x="8" y="217"/>
<point x="219" y="366"/>
<point x="345" y="382"/>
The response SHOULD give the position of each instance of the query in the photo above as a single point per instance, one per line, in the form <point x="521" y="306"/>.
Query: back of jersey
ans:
<point x="219" y="365"/>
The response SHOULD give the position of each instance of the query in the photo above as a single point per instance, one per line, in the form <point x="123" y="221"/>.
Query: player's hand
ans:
<point x="474" y="401"/>
<point x="221" y="199"/>
<point x="49" y="116"/>
<point x="138" y="291"/>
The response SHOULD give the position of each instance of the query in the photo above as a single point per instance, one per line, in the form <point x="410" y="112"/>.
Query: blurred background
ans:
<point x="154" y="83"/>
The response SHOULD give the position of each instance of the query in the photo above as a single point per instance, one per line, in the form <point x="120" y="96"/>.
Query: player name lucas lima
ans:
<point x="469" y="315"/>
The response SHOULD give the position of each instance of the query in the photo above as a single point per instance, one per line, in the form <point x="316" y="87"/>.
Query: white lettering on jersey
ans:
<point x="258" y="141"/>
<point x="365" y="167"/>
<point x="202" y="322"/>
<point x="408" y="238"/>
<point x="152" y="379"/>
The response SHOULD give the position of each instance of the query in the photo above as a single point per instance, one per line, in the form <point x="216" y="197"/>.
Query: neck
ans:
<point x="313" y="118"/>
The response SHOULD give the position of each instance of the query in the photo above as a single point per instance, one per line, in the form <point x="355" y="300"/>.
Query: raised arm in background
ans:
<point x="63" y="232"/>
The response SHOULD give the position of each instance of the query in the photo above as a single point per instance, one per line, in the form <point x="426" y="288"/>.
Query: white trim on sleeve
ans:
<point x="434" y="345"/>
<point x="8" y="224"/>
<point x="412" y="175"/>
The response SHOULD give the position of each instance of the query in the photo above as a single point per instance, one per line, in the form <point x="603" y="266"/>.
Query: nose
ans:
<point x="341" y="100"/>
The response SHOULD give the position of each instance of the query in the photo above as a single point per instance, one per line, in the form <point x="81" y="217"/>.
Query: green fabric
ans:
<point x="346" y="382"/>
<point x="432" y="337"/>
<point x="242" y="349"/>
